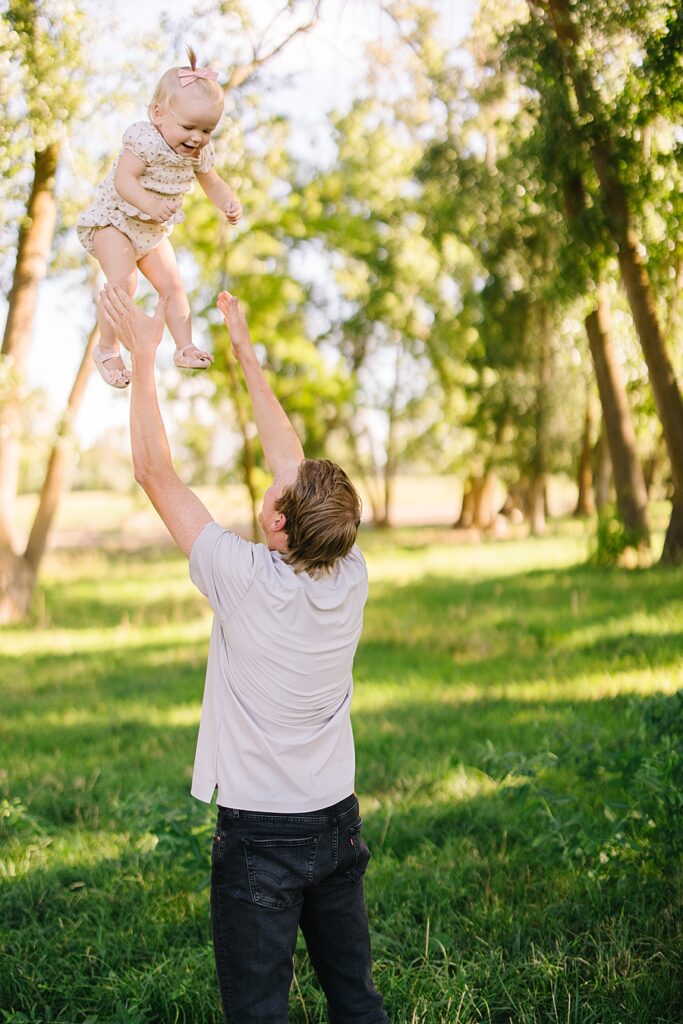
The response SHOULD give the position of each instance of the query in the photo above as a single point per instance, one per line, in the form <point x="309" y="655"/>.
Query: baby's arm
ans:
<point x="127" y="184"/>
<point x="221" y="195"/>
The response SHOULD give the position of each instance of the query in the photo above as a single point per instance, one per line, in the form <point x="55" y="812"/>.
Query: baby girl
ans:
<point x="140" y="200"/>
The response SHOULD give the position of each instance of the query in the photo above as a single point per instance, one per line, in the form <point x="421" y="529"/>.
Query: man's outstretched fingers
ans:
<point x="107" y="309"/>
<point x="118" y="298"/>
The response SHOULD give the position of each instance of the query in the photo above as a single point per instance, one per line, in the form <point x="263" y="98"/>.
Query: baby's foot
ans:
<point x="192" y="358"/>
<point x="115" y="373"/>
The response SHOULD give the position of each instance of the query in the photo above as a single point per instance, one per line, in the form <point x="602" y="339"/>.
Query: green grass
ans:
<point x="520" y="768"/>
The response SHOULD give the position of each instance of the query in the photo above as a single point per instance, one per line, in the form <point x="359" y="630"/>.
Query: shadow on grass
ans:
<point x="557" y="623"/>
<point x="464" y="899"/>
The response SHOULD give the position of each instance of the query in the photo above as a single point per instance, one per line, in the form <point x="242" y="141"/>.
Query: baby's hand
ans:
<point x="163" y="209"/>
<point x="233" y="211"/>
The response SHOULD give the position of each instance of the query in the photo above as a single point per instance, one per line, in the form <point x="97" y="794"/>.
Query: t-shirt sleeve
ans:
<point x="207" y="158"/>
<point x="222" y="567"/>
<point x="352" y="575"/>
<point x="142" y="140"/>
<point x="356" y="556"/>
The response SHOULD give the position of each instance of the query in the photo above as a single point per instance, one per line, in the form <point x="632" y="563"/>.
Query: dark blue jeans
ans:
<point x="274" y="873"/>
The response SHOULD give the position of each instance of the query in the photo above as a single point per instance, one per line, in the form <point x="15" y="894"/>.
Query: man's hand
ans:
<point x="138" y="332"/>
<point x="236" y="323"/>
<point x="281" y="446"/>
<point x="233" y="211"/>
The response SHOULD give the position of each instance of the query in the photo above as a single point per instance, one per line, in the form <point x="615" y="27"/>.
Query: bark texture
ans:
<point x="35" y="239"/>
<point x="585" y="501"/>
<point x="629" y="482"/>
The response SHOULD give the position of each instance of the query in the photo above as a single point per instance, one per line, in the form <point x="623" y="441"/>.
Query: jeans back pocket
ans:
<point x="279" y="869"/>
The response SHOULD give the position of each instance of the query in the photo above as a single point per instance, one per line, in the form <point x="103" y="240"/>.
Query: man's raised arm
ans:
<point x="184" y="515"/>
<point x="281" y="446"/>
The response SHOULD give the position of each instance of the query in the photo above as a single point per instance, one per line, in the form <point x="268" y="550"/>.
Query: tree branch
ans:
<point x="243" y="72"/>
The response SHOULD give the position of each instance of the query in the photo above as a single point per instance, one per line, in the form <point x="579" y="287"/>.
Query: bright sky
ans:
<point x="326" y="64"/>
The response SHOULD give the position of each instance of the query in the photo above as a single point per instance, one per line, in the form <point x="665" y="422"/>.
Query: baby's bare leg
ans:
<point x="160" y="268"/>
<point x="116" y="256"/>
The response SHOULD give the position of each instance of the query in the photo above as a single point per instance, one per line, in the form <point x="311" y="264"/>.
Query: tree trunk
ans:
<point x="390" y="462"/>
<point x="672" y="552"/>
<point x="18" y="573"/>
<point x="484" y="510"/>
<point x="617" y="423"/>
<point x="585" y="502"/>
<point x="539" y="459"/>
<point x="655" y="468"/>
<point x="664" y="385"/>
<point x="388" y="480"/>
<point x="633" y="271"/>
<point x="369" y="480"/>
<point x="629" y="482"/>
<point x="247" y="446"/>
<point x="35" y="238"/>
<point x="466" y="517"/>
<point x="17" y="583"/>
<point x="372" y="491"/>
<point x="478" y="508"/>
<point x="59" y="462"/>
<point x="536" y="505"/>
<point x="603" y="471"/>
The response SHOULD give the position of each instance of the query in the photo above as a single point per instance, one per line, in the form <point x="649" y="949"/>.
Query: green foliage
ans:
<point x="519" y="745"/>
<point x="387" y="279"/>
<point x="658" y="778"/>
<point x="44" y="69"/>
<point x="612" y="538"/>
<point x="45" y="40"/>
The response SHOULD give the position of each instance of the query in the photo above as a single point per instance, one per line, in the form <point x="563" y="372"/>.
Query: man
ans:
<point x="275" y="734"/>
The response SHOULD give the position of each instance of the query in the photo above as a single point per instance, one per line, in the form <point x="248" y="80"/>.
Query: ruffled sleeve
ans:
<point x="142" y="139"/>
<point x="206" y="158"/>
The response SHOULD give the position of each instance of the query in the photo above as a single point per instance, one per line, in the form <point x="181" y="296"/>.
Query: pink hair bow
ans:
<point x="187" y="76"/>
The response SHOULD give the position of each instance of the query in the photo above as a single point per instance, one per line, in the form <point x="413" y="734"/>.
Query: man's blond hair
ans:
<point x="322" y="511"/>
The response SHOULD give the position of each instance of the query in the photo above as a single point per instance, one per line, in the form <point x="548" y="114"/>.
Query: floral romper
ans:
<point x="167" y="174"/>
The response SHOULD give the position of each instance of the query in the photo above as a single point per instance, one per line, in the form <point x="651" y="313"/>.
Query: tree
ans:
<point x="534" y="54"/>
<point x="387" y="279"/>
<point x="599" y="138"/>
<point x="482" y="188"/>
<point x="46" y="58"/>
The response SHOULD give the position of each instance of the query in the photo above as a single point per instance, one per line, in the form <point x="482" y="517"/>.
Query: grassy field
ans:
<point x="520" y="766"/>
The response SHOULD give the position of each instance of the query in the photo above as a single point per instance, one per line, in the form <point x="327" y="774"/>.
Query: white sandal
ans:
<point x="115" y="378"/>
<point x="184" y="361"/>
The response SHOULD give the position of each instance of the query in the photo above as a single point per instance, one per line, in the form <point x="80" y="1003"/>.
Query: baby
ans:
<point x="140" y="200"/>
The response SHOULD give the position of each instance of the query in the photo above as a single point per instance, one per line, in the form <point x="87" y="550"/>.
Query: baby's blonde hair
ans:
<point x="169" y="84"/>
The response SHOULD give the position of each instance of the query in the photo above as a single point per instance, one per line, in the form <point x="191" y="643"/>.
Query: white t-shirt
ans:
<point x="275" y="731"/>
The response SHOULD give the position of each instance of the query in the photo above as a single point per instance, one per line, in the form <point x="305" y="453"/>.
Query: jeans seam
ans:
<point x="222" y="959"/>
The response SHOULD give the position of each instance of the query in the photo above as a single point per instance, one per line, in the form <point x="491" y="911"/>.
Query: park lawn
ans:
<point x="519" y="745"/>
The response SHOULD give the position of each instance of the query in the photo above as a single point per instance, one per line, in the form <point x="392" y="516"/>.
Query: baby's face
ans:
<point x="187" y="121"/>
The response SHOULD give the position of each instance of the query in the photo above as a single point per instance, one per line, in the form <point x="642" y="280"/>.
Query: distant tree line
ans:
<point x="485" y="279"/>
